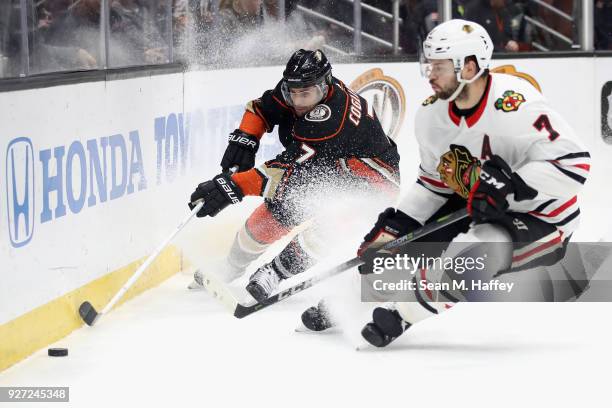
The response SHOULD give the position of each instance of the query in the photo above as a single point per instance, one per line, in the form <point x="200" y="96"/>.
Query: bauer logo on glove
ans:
<point x="243" y="139"/>
<point x="217" y="194"/>
<point x="240" y="151"/>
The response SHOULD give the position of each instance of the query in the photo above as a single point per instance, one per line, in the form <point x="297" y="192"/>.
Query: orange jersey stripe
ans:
<point x="252" y="124"/>
<point x="250" y="182"/>
<point x="362" y="170"/>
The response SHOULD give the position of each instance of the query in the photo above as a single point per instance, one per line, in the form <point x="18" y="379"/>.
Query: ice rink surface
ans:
<point x="172" y="347"/>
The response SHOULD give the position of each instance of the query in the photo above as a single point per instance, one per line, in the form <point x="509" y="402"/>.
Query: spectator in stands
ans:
<point x="420" y="17"/>
<point x="179" y="14"/>
<point x="554" y="21"/>
<point x="137" y="32"/>
<point x="47" y="57"/>
<point x="43" y="56"/>
<point x="603" y="24"/>
<point x="239" y="17"/>
<point x="71" y="24"/>
<point x="135" y="37"/>
<point x="8" y="46"/>
<point x="236" y="20"/>
<point x="496" y="17"/>
<point x="202" y="14"/>
<point x="271" y="7"/>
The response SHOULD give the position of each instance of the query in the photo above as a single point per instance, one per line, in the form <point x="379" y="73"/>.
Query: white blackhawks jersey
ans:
<point x="514" y="121"/>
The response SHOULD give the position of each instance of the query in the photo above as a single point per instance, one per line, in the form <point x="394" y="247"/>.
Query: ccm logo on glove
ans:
<point x="489" y="179"/>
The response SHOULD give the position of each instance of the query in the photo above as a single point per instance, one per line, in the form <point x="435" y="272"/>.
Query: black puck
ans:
<point x="57" y="352"/>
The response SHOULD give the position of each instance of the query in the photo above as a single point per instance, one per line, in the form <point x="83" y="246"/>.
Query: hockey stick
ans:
<point x="89" y="314"/>
<point x="242" y="310"/>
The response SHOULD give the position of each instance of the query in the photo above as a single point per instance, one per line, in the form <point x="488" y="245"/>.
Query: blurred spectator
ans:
<point x="202" y="14"/>
<point x="138" y="29"/>
<point x="558" y="23"/>
<point x="235" y="21"/>
<point x="420" y="17"/>
<point x="134" y="31"/>
<point x="43" y="57"/>
<point x="71" y="24"/>
<point x="603" y="24"/>
<point x="495" y="16"/>
<point x="179" y="14"/>
<point x="9" y="48"/>
<point x="271" y="8"/>
<point x="298" y="34"/>
<point x="66" y="34"/>
<point x="239" y="17"/>
<point x="55" y="57"/>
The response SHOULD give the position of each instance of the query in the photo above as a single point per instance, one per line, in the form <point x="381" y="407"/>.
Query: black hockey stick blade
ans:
<point x="88" y="313"/>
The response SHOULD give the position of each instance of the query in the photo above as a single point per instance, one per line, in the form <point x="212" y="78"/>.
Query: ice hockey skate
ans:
<point x="386" y="326"/>
<point x="264" y="282"/>
<point x="315" y="319"/>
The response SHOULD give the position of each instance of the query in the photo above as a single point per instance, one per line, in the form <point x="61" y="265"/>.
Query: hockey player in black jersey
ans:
<point x="331" y="138"/>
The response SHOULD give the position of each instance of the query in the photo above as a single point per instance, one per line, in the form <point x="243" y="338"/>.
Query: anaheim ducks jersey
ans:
<point x="514" y="121"/>
<point x="341" y="125"/>
<point x="341" y="134"/>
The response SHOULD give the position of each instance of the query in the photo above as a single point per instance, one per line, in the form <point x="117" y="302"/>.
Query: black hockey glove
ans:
<point x="391" y="224"/>
<point x="217" y="194"/>
<point x="240" y="151"/>
<point x="487" y="199"/>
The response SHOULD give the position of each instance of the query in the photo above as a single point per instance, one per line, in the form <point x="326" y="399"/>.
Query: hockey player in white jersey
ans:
<point x="490" y="142"/>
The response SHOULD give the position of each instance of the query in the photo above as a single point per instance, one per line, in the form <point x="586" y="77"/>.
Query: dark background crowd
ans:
<point x="69" y="34"/>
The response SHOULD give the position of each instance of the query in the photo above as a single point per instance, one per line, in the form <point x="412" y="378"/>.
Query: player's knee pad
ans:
<point x="256" y="235"/>
<point x="471" y="258"/>
<point x="263" y="228"/>
<point x="567" y="279"/>
<point x="245" y="249"/>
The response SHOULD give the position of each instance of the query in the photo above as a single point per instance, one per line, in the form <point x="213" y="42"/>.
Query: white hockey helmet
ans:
<point x="455" y="40"/>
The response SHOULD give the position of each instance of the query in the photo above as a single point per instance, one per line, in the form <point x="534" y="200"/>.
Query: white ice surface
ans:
<point x="171" y="347"/>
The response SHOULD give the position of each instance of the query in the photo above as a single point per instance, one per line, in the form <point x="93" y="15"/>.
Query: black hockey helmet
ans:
<point x="306" y="69"/>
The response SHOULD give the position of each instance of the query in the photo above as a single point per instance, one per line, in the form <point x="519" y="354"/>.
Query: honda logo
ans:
<point x="20" y="190"/>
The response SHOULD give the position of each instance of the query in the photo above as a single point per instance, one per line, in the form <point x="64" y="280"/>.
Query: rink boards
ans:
<point x="95" y="175"/>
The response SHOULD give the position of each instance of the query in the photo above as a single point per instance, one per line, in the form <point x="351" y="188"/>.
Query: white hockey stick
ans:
<point x="89" y="314"/>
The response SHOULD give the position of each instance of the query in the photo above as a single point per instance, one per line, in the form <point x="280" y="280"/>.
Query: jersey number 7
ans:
<point x="544" y="123"/>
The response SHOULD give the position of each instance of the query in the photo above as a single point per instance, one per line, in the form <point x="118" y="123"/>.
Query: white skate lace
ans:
<point x="267" y="278"/>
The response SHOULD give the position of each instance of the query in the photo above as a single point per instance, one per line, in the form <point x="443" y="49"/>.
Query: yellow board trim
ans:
<point x="53" y="321"/>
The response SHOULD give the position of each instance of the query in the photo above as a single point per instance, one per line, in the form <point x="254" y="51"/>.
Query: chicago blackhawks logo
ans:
<point x="510" y="101"/>
<point x="319" y="113"/>
<point x="386" y="96"/>
<point x="459" y="170"/>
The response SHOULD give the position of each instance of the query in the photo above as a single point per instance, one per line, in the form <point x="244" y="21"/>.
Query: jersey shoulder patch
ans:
<point x="326" y="120"/>
<point x="319" y="113"/>
<point x="509" y="101"/>
<point x="429" y="101"/>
